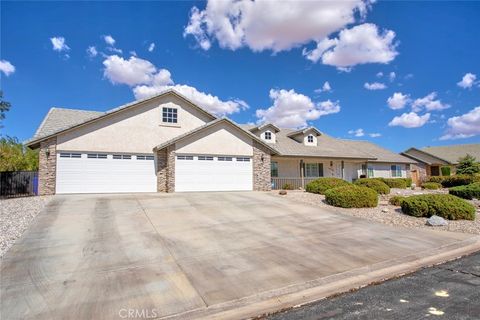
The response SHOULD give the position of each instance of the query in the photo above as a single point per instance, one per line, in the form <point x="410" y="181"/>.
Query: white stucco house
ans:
<point x="167" y="143"/>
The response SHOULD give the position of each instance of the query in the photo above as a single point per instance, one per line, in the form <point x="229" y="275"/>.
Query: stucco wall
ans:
<point x="274" y="136"/>
<point x="220" y="139"/>
<point x="137" y="130"/>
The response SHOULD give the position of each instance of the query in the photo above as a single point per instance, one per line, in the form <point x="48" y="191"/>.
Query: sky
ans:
<point x="399" y="74"/>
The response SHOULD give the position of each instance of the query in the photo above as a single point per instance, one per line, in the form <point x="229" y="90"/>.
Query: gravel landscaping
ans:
<point x="389" y="214"/>
<point x="15" y="216"/>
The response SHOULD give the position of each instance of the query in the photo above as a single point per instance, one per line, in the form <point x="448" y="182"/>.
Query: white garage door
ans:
<point x="105" y="173"/>
<point x="213" y="173"/>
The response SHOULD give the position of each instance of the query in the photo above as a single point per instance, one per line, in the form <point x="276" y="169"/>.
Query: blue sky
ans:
<point x="264" y="69"/>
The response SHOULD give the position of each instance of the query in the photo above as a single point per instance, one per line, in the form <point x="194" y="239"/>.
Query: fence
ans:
<point x="18" y="183"/>
<point x="290" y="183"/>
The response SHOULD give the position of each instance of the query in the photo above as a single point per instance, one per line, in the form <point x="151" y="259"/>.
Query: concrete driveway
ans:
<point x="225" y="255"/>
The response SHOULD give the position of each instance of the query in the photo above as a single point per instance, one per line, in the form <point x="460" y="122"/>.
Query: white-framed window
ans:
<point x="142" y="157"/>
<point x="225" y="158"/>
<point x="70" y="155"/>
<point x="169" y="115"/>
<point x="310" y="138"/>
<point x="268" y="135"/>
<point x="97" y="156"/>
<point x="243" y="159"/>
<point x="205" y="158"/>
<point x="313" y="170"/>
<point x="396" y="171"/>
<point x="122" y="157"/>
<point x="370" y="172"/>
<point x="274" y="169"/>
<point x="184" y="157"/>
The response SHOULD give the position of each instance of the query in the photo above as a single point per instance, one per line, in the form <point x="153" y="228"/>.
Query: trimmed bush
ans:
<point x="458" y="180"/>
<point x="287" y="186"/>
<point x="436" y="179"/>
<point x="352" y="196"/>
<point x="396" y="200"/>
<point x="431" y="185"/>
<point x="443" y="205"/>
<point x="400" y="183"/>
<point x="408" y="181"/>
<point x="469" y="191"/>
<point x="375" y="184"/>
<point x="321" y="185"/>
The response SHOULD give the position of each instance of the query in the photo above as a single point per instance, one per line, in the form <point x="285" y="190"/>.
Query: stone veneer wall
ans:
<point x="166" y="169"/>
<point x="261" y="169"/>
<point x="47" y="167"/>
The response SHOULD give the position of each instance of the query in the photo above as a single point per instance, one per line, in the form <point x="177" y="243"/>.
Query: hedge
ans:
<point x="375" y="184"/>
<point x="467" y="192"/>
<point x="400" y="183"/>
<point x="321" y="185"/>
<point x="431" y="185"/>
<point x="287" y="186"/>
<point x="459" y="180"/>
<point x="443" y="205"/>
<point x="352" y="196"/>
<point x="436" y="179"/>
<point x="396" y="200"/>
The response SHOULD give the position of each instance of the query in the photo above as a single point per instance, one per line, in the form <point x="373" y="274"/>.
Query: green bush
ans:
<point x="321" y="185"/>
<point x="408" y="181"/>
<point x="352" y="196"/>
<point x="443" y="205"/>
<point x="396" y="200"/>
<point x="287" y="186"/>
<point x="469" y="191"/>
<point x="446" y="171"/>
<point x="375" y="184"/>
<point x="436" y="179"/>
<point x="431" y="185"/>
<point x="400" y="183"/>
<point x="458" y="180"/>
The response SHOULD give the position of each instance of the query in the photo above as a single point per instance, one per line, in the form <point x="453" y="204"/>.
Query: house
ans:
<point x="167" y="143"/>
<point x="430" y="160"/>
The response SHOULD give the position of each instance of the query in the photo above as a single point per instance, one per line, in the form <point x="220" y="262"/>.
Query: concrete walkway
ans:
<point x="212" y="255"/>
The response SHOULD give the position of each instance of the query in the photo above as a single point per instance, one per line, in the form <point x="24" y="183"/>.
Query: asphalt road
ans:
<point x="447" y="291"/>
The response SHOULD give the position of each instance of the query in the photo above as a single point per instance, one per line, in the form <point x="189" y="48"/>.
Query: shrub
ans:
<point x="436" y="179"/>
<point x="287" y="186"/>
<point x="445" y="171"/>
<point x="321" y="185"/>
<point x="352" y="196"/>
<point x="400" y="183"/>
<point x="396" y="200"/>
<point x="408" y="181"/>
<point x="443" y="205"/>
<point x="431" y="185"/>
<point x="458" y="180"/>
<point x="468" y="165"/>
<point x="375" y="184"/>
<point x="467" y="192"/>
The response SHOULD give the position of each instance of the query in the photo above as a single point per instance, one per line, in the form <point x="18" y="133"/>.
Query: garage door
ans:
<point x="105" y="173"/>
<point x="213" y="173"/>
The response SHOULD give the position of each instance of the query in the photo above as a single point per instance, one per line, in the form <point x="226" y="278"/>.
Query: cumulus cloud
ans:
<point x="391" y="76"/>
<point x="464" y="126"/>
<point x="92" y="52"/>
<point x="58" y="44"/>
<point x="146" y="80"/>
<point x="379" y="74"/>
<point x="109" y="40"/>
<point x="398" y="100"/>
<point x="293" y="110"/>
<point x="269" y="25"/>
<point x="374" y="86"/>
<point x="410" y="120"/>
<point x="325" y="88"/>
<point x="467" y="81"/>
<point x="375" y="135"/>
<point x="357" y="133"/>
<point x="6" y="67"/>
<point x="151" y="47"/>
<point x="430" y="103"/>
<point x="358" y="45"/>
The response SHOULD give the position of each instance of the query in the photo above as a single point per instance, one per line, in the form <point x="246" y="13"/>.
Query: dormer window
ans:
<point x="268" y="135"/>
<point x="169" y="115"/>
<point x="310" y="138"/>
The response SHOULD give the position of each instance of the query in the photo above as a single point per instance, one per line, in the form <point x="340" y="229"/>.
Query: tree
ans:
<point x="14" y="156"/>
<point x="4" y="106"/>
<point x="468" y="165"/>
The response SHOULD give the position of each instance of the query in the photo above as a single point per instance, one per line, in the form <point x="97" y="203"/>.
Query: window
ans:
<point x="96" y="156"/>
<point x="396" y="171"/>
<point x="268" y="135"/>
<point x="225" y="158"/>
<point x="243" y="159"/>
<point x="313" y="170"/>
<point x="184" y="157"/>
<point x="169" y="115"/>
<point x="274" y="169"/>
<point x="122" y="156"/>
<point x="70" y="155"/>
<point x="370" y="172"/>
<point x="207" y="158"/>
<point x="144" y="157"/>
<point x="310" y="138"/>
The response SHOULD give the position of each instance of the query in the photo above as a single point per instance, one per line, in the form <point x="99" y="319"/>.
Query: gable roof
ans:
<point x="263" y="126"/>
<point x="211" y="124"/>
<point x="305" y="130"/>
<point x="451" y="154"/>
<point x="424" y="157"/>
<point x="59" y="120"/>
<point x="381" y="154"/>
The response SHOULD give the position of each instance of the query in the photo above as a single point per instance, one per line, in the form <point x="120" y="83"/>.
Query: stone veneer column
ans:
<point x="166" y="169"/>
<point x="261" y="169"/>
<point x="171" y="168"/>
<point x="47" y="166"/>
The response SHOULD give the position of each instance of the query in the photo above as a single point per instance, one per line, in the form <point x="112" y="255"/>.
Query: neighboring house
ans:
<point x="430" y="160"/>
<point x="167" y="143"/>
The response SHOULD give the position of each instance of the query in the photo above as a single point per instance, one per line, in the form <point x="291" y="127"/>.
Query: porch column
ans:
<point x="302" y="173"/>
<point x="343" y="170"/>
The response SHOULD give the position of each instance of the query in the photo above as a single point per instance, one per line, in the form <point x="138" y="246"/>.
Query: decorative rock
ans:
<point x="385" y="210"/>
<point x="282" y="192"/>
<point x="435" y="221"/>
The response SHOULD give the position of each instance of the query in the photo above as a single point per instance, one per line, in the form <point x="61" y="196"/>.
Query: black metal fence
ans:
<point x="18" y="183"/>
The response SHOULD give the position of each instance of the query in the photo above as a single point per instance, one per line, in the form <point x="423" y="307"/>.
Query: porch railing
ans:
<point x="290" y="183"/>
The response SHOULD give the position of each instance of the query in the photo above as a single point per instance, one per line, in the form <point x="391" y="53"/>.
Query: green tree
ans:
<point x="468" y="165"/>
<point x="14" y="156"/>
<point x="4" y="106"/>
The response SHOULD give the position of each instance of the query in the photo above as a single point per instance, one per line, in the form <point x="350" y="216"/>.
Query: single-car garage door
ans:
<point x="105" y="173"/>
<point x="213" y="173"/>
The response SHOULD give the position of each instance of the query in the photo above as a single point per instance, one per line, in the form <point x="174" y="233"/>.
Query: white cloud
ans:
<point x="467" y="81"/>
<point x="357" y="133"/>
<point x="59" y="44"/>
<point x="410" y="120"/>
<point x="6" y="67"/>
<point x="374" y="86"/>
<point x="464" y="126"/>
<point x="293" y="110"/>
<point x="429" y="103"/>
<point x="358" y="45"/>
<point x="151" y="47"/>
<point x="109" y="40"/>
<point x="398" y="100"/>
<point x="269" y="25"/>
<point x="380" y="74"/>
<point x="147" y="80"/>
<point x="375" y="135"/>
<point x="92" y="51"/>
<point x="325" y="88"/>
<point x="392" y="75"/>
